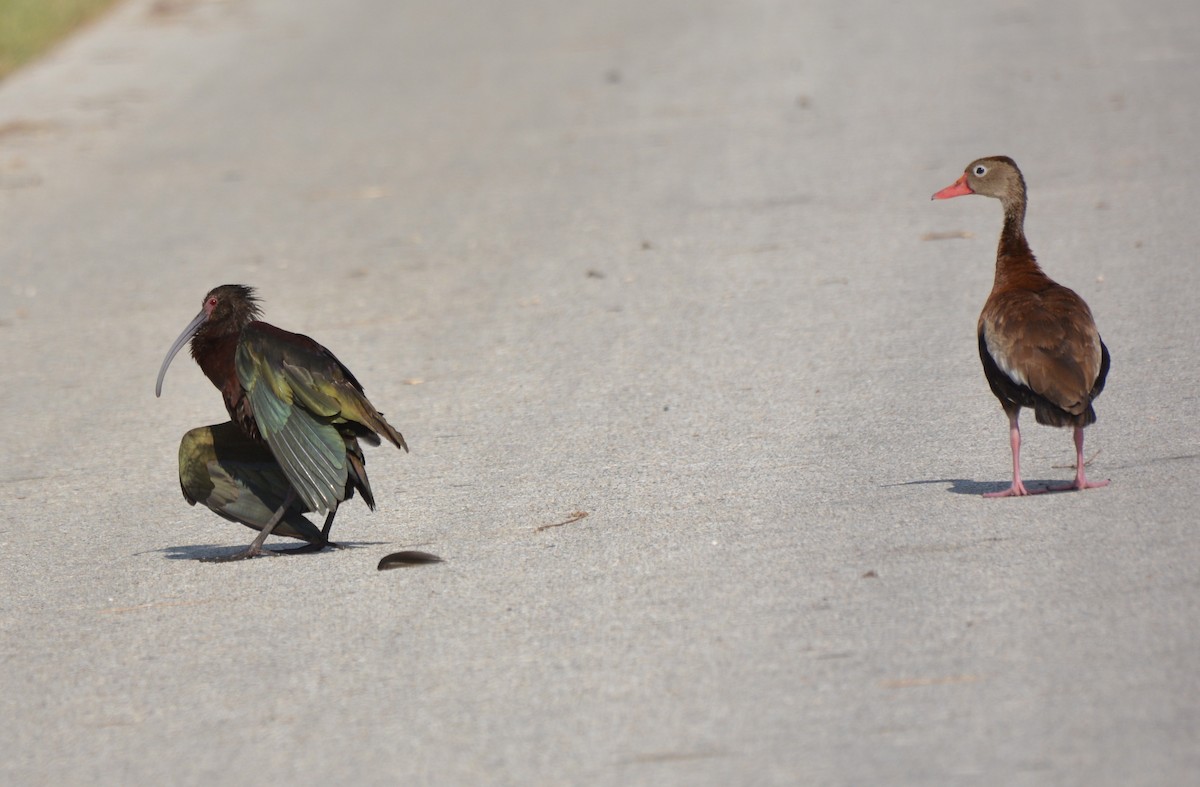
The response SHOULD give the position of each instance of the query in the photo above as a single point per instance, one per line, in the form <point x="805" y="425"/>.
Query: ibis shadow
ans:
<point x="206" y="552"/>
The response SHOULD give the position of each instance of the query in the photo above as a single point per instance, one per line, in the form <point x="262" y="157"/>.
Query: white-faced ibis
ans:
<point x="1037" y="339"/>
<point x="288" y="393"/>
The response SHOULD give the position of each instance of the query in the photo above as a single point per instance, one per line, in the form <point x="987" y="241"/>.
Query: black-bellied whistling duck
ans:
<point x="1037" y="339"/>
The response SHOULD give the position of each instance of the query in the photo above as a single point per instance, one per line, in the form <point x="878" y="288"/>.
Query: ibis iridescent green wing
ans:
<point x="306" y="405"/>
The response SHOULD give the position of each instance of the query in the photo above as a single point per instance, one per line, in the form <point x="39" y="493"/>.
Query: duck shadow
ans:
<point x="966" y="486"/>
<point x="206" y="552"/>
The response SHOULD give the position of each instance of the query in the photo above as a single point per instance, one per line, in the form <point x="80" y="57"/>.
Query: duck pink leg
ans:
<point x="1081" y="481"/>
<point x="1014" y="437"/>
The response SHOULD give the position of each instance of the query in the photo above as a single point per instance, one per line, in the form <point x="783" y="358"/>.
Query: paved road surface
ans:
<point x="671" y="264"/>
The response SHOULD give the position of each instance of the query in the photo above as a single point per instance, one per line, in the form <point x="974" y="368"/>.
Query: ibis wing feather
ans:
<point x="307" y="374"/>
<point x="313" y="455"/>
<point x="330" y="390"/>
<point x="307" y="445"/>
<point x="307" y="406"/>
<point x="315" y="394"/>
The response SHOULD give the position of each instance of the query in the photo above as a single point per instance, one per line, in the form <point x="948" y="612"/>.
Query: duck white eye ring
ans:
<point x="980" y="170"/>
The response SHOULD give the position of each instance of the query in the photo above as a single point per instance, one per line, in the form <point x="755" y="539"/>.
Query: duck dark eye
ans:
<point x="980" y="170"/>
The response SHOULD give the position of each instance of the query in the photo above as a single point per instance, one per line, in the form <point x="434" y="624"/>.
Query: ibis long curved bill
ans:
<point x="183" y="339"/>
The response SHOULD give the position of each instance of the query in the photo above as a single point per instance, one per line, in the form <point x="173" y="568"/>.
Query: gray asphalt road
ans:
<point x="673" y="265"/>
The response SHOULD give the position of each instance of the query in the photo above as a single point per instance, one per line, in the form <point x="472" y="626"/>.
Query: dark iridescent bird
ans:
<point x="1037" y="339"/>
<point x="288" y="394"/>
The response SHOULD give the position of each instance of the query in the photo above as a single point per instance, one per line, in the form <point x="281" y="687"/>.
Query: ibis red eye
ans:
<point x="212" y="301"/>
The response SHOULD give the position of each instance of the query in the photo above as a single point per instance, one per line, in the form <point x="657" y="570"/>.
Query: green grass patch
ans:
<point x="30" y="27"/>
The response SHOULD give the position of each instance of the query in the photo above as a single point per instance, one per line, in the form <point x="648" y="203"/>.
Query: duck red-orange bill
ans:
<point x="958" y="189"/>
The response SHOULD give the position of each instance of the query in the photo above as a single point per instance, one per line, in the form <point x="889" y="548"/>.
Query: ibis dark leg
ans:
<point x="316" y="546"/>
<point x="255" y="549"/>
<point x="329" y="526"/>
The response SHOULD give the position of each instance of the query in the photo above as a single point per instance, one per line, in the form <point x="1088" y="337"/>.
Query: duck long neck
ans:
<point x="1014" y="258"/>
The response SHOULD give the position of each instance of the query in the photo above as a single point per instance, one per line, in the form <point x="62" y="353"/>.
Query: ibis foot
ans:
<point x="256" y="546"/>
<point x="306" y="549"/>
